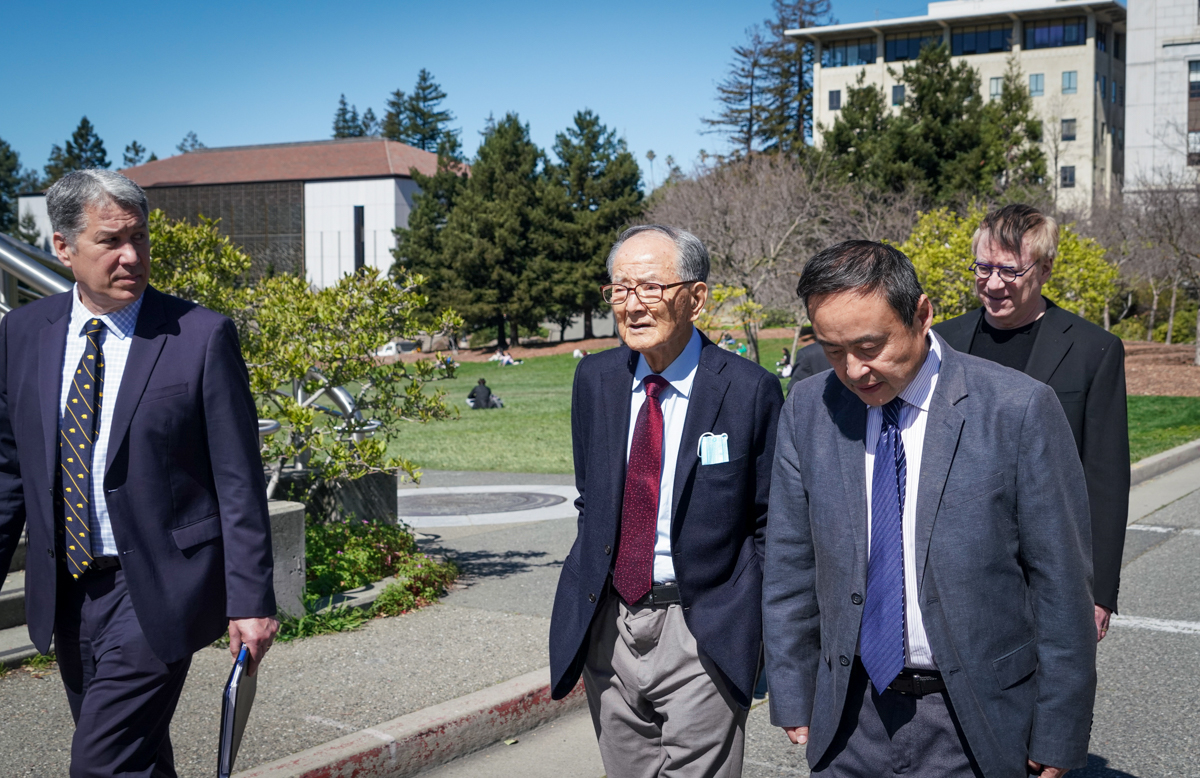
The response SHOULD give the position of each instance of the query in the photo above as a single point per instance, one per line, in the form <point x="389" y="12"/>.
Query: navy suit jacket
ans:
<point x="1003" y="559"/>
<point x="720" y="511"/>
<point x="184" y="479"/>
<point x="1085" y="366"/>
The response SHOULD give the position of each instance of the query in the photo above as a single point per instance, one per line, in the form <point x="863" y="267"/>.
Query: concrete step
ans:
<point x="15" y="646"/>
<point x="12" y="600"/>
<point x="18" y="560"/>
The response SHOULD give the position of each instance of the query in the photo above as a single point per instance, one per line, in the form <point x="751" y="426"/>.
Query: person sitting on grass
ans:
<point x="506" y="358"/>
<point x="481" y="397"/>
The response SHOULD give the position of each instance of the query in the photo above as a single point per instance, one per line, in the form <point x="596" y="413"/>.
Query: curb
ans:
<point x="430" y="737"/>
<point x="1145" y="469"/>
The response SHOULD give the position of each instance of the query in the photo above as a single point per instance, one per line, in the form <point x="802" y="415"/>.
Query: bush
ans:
<point x="426" y="581"/>
<point x="343" y="555"/>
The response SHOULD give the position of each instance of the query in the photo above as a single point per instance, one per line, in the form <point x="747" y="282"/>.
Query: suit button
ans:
<point x="856" y="598"/>
<point x="50" y="553"/>
<point x="591" y="598"/>
<point x="607" y="550"/>
<point x="844" y="661"/>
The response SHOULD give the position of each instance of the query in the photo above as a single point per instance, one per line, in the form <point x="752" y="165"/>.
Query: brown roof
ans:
<point x="311" y="161"/>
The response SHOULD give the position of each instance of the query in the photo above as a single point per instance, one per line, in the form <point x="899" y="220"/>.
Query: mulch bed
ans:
<point x="1158" y="369"/>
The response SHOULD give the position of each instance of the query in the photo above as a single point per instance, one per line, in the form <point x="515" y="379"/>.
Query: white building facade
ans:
<point x="1164" y="92"/>
<point x="1071" y="54"/>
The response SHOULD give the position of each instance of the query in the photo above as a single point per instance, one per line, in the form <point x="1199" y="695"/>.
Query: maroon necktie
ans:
<point x="639" y="514"/>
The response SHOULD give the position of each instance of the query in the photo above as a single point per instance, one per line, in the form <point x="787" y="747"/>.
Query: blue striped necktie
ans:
<point x="882" y="636"/>
<point x="77" y="432"/>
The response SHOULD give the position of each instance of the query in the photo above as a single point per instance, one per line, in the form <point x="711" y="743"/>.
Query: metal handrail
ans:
<point x="33" y="266"/>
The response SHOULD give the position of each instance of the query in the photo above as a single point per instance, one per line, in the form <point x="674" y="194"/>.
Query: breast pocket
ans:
<point x="153" y="393"/>
<point x="724" y="470"/>
<point x="982" y="488"/>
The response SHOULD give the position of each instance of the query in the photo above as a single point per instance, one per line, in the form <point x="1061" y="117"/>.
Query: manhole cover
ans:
<point x="477" y="502"/>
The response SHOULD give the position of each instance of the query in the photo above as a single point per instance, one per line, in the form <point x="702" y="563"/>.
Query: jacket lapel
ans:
<point x="850" y="416"/>
<point x="942" y="432"/>
<point x="708" y="392"/>
<point x="1050" y="346"/>
<point x="53" y="345"/>
<point x="147" y="344"/>
<point x="960" y="331"/>
<point x="616" y="386"/>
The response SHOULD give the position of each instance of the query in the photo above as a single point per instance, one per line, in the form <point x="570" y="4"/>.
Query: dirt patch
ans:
<point x="1158" y="369"/>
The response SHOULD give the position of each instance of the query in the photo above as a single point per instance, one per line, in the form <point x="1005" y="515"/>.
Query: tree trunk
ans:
<point x="515" y="336"/>
<point x="1196" y="361"/>
<point x="587" y="323"/>
<point x="1171" y="320"/>
<point x="1153" y="314"/>
<point x="1107" y="318"/>
<point x="796" y="341"/>
<point x="501" y="341"/>
<point x="752" y="341"/>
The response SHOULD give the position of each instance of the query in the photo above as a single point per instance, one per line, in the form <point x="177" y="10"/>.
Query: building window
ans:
<point x="1119" y="46"/>
<point x="898" y="95"/>
<point x="980" y="39"/>
<point x="1057" y="32"/>
<point x="1068" y="129"/>
<point x="1037" y="84"/>
<point x="835" y="99"/>
<point x="906" y="46"/>
<point x="1193" y="136"/>
<point x="1114" y="92"/>
<point x="995" y="87"/>
<point x="860" y="51"/>
<point x="1101" y="36"/>
<point x="1067" y="177"/>
<point x="1070" y="82"/>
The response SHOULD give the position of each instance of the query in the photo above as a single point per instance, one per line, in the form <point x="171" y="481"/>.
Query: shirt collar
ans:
<point x="120" y="323"/>
<point x="919" y="391"/>
<point x="680" y="373"/>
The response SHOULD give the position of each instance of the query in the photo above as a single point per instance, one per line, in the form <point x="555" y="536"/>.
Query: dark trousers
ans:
<point x="895" y="733"/>
<point x="122" y="696"/>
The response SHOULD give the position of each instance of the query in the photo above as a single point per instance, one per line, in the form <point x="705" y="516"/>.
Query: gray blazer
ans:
<point x="1004" y="564"/>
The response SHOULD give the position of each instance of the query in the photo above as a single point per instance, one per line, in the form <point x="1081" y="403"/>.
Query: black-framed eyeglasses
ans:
<point x="1007" y="274"/>
<point x="616" y="294"/>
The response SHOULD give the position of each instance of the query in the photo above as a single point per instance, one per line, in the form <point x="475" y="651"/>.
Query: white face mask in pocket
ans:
<point x="713" y="449"/>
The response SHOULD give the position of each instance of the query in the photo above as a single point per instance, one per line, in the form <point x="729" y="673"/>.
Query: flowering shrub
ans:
<point x="343" y="555"/>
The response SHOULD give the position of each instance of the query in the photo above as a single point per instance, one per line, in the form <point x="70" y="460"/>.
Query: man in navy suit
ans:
<point x="658" y="605"/>
<point x="129" y="447"/>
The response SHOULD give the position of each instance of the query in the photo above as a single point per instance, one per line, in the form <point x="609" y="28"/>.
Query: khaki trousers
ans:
<point x="660" y="708"/>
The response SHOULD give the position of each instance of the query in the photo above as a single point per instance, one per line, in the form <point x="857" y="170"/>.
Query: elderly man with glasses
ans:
<point x="1017" y="327"/>
<point x="658" y="604"/>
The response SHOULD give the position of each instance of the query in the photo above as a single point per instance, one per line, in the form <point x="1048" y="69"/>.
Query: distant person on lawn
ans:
<point x="481" y="396"/>
<point x="1017" y="327"/>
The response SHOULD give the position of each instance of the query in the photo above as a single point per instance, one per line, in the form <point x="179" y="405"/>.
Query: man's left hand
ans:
<point x="256" y="634"/>
<point x="1102" y="616"/>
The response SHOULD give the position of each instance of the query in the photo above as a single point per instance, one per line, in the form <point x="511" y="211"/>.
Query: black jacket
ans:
<point x="482" y="396"/>
<point x="809" y="361"/>
<point x="1085" y="366"/>
<point x="719" y="517"/>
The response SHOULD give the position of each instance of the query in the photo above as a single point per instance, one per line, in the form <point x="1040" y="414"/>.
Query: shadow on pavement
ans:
<point x="493" y="564"/>
<point x="1097" y="767"/>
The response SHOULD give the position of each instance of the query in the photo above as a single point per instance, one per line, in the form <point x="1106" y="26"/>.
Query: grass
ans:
<point x="532" y="433"/>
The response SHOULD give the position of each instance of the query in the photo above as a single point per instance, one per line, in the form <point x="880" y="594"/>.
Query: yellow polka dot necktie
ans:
<point x="77" y="432"/>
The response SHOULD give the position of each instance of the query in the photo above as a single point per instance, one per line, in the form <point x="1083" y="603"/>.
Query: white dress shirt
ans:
<point x="914" y="415"/>
<point x="674" y="400"/>
<point x="119" y="325"/>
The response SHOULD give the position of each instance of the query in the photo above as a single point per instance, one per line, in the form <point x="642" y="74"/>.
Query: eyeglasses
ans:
<point x="1007" y="274"/>
<point x="616" y="294"/>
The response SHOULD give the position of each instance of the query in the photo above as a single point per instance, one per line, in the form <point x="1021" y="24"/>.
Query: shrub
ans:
<point x="343" y="555"/>
<point x="425" y="581"/>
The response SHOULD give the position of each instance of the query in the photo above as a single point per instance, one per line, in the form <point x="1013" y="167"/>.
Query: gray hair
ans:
<point x="71" y="196"/>
<point x="691" y="257"/>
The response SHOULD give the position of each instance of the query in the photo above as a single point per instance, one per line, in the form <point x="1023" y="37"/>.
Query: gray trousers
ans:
<point x="896" y="734"/>
<point x="660" y="708"/>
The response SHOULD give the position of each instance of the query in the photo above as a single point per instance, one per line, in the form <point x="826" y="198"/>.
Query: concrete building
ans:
<point x="1164" y="92"/>
<point x="318" y="209"/>
<point x="1072" y="53"/>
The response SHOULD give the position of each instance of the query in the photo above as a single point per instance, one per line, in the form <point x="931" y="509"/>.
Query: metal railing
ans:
<point x="41" y="272"/>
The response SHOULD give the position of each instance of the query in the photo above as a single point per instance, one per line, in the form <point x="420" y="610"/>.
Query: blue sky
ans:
<point x="245" y="73"/>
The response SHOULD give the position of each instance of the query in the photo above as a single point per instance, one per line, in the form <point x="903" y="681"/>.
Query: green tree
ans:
<point x="135" y="154"/>
<point x="418" y="118"/>
<point x="189" y="143"/>
<point x="10" y="185"/>
<point x="602" y="184"/>
<point x="786" y="122"/>
<point x="741" y="96"/>
<point x="27" y="230"/>
<point x="82" y="151"/>
<point x="369" y="124"/>
<point x="1014" y="134"/>
<point x="346" y="123"/>
<point x="862" y="143"/>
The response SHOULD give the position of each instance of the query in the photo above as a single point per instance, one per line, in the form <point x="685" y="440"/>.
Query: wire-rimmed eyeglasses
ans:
<point x="1007" y="274"/>
<point x="648" y="293"/>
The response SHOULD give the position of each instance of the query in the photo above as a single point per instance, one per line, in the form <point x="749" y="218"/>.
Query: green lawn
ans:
<point x="532" y="433"/>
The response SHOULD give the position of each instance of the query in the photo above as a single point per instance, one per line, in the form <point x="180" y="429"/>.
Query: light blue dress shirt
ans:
<point x="115" y="340"/>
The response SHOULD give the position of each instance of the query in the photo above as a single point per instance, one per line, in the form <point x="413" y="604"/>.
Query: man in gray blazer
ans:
<point x="927" y="596"/>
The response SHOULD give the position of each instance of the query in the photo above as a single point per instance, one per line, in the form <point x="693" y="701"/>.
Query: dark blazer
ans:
<point x="184" y="478"/>
<point x="1003" y="563"/>
<point x="719" y="510"/>
<point x="809" y="361"/>
<point x="1085" y="366"/>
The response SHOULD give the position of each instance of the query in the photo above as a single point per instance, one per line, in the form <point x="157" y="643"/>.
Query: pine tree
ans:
<point x="135" y="154"/>
<point x="27" y="230"/>
<point x="346" y="123"/>
<point x="395" y="118"/>
<point x="741" y="96"/>
<point x="786" y="122"/>
<point x="602" y="185"/>
<point x="1015" y="133"/>
<point x="862" y="143"/>
<point x="10" y="182"/>
<point x="369" y="124"/>
<point x="82" y="151"/>
<point x="417" y="119"/>
<point x="190" y="143"/>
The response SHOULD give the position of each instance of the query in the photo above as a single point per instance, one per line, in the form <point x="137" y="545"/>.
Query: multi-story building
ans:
<point x="1071" y="53"/>
<point x="1164" y="92"/>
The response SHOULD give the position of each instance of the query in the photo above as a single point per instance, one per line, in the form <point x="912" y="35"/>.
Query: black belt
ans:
<point x="100" y="564"/>
<point x="661" y="594"/>
<point x="918" y="683"/>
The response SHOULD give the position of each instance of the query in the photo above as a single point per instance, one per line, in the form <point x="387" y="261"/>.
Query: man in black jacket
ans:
<point x="480" y="396"/>
<point x="1017" y="327"/>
